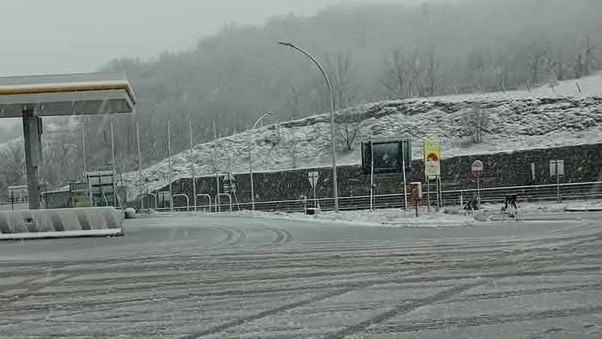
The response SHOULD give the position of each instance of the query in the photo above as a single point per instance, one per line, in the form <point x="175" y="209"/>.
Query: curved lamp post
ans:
<point x="251" y="160"/>
<point x="332" y="121"/>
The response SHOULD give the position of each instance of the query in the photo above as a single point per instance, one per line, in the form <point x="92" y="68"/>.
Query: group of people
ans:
<point x="510" y="207"/>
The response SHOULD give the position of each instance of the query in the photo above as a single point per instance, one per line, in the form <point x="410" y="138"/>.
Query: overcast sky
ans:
<point x="59" y="36"/>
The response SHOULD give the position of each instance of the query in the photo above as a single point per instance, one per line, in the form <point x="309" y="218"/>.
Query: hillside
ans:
<point x="373" y="52"/>
<point x="517" y="120"/>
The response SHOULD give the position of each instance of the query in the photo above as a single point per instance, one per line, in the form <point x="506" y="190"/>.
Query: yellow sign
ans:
<point x="432" y="158"/>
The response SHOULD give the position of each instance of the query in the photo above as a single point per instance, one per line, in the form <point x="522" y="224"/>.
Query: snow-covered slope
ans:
<point x="518" y="120"/>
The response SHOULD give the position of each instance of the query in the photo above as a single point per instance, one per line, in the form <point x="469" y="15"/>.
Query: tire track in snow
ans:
<point x="483" y="320"/>
<point x="272" y="311"/>
<point x="402" y="309"/>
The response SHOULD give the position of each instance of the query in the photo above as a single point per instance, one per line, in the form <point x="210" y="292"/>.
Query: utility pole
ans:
<point x="169" y="165"/>
<point x="217" y="199"/>
<point x="192" y="165"/>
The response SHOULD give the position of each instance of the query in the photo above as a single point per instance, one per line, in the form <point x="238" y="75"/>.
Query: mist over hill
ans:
<point x="372" y="52"/>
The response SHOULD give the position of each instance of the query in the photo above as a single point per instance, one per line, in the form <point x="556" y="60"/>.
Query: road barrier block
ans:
<point x="59" y="223"/>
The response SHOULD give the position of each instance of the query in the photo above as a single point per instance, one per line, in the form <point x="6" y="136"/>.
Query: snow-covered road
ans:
<point x="242" y="276"/>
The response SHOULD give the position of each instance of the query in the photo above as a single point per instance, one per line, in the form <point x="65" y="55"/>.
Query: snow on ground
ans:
<point x="550" y="207"/>
<point x="519" y="120"/>
<point x="445" y="217"/>
<point x="210" y="276"/>
<point x="379" y="217"/>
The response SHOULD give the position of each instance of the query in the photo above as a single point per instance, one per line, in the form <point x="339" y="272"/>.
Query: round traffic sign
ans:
<point x="477" y="169"/>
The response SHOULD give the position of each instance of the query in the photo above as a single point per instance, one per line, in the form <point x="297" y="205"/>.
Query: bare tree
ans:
<point x="476" y="67"/>
<point x="12" y="167"/>
<point x="588" y="53"/>
<point x="584" y="59"/>
<point x="414" y="65"/>
<point x="293" y="107"/>
<point x="343" y="76"/>
<point x="293" y="149"/>
<point x="215" y="160"/>
<point x="349" y="127"/>
<point x="474" y="123"/>
<point x="56" y="170"/>
<point x="394" y="77"/>
<point x="431" y="62"/>
<point x="538" y="59"/>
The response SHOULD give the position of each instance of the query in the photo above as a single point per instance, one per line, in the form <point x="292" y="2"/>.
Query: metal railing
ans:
<point x="141" y="199"/>
<point x="183" y="196"/>
<point x="225" y="195"/>
<point x="208" y="197"/>
<point x="534" y="193"/>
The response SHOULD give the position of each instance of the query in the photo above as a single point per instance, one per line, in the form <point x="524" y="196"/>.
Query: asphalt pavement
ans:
<point x="207" y="276"/>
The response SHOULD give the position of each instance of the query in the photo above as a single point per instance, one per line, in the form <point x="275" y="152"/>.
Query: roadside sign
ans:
<point x="432" y="158"/>
<point x="386" y="155"/>
<point x="229" y="183"/>
<point x="556" y="168"/>
<point x="313" y="178"/>
<point x="477" y="169"/>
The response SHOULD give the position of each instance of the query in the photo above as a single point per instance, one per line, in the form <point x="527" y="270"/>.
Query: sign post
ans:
<point x="403" y="169"/>
<point x="416" y="191"/>
<point x="477" y="170"/>
<point x="313" y="180"/>
<point x="372" y="175"/>
<point x="557" y="170"/>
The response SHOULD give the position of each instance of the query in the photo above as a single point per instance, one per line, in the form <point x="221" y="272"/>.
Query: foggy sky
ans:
<point x="62" y="36"/>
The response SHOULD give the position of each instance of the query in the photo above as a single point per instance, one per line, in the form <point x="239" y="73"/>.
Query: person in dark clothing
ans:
<point x="511" y="202"/>
<point x="472" y="205"/>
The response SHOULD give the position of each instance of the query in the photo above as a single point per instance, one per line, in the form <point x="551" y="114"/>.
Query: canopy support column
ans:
<point x="32" y="136"/>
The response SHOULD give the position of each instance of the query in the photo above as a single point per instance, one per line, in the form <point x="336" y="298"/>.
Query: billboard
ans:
<point x="431" y="153"/>
<point x="388" y="154"/>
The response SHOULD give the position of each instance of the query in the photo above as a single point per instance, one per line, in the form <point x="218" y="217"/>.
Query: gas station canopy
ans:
<point x="71" y="94"/>
<point x="34" y="97"/>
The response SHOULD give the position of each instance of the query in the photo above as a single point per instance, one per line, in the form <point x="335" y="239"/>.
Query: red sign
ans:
<point x="477" y="169"/>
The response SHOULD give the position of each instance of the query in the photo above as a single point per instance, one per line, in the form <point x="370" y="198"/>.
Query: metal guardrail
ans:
<point x="570" y="191"/>
<point x="225" y="195"/>
<point x="534" y="193"/>
<point x="183" y="196"/>
<point x="208" y="197"/>
<point x="141" y="198"/>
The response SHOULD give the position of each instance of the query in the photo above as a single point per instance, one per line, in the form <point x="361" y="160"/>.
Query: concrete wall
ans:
<point x="582" y="164"/>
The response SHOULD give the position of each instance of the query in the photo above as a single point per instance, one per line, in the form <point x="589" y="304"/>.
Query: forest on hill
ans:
<point x="371" y="52"/>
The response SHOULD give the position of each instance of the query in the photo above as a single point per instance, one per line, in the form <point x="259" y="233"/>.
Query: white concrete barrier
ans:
<point x="59" y="223"/>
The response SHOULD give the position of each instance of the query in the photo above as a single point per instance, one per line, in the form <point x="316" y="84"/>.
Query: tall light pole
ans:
<point x="113" y="164"/>
<point x="192" y="167"/>
<point x="332" y="121"/>
<point x="251" y="160"/>
<point x="169" y="166"/>
<point x="84" y="149"/>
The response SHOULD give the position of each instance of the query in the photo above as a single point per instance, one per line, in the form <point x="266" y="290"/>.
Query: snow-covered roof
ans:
<point x="66" y="94"/>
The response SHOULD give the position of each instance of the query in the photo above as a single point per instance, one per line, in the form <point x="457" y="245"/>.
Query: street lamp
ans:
<point x="332" y="122"/>
<point x="251" y="160"/>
